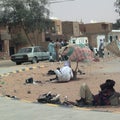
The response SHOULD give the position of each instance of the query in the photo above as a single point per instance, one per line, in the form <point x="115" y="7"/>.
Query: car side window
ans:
<point x="36" y="49"/>
<point x="28" y="50"/>
<point x="42" y="49"/>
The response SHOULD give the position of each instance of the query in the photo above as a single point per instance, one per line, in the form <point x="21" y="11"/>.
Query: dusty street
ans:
<point x="95" y="74"/>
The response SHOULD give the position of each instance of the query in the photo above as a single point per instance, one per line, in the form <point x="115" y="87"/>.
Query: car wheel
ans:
<point x="18" y="63"/>
<point x="34" y="60"/>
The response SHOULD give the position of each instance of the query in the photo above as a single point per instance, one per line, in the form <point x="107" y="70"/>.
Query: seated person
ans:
<point x="63" y="74"/>
<point x="107" y="95"/>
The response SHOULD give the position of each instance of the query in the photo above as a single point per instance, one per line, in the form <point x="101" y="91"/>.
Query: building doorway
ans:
<point x="12" y="50"/>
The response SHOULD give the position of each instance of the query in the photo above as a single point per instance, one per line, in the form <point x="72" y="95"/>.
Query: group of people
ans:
<point x="53" y="48"/>
<point x="106" y="96"/>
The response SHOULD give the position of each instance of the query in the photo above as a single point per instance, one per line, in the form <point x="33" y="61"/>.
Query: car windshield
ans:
<point x="25" y="50"/>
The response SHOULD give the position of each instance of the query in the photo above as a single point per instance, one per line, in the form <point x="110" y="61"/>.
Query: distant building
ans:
<point x="70" y="28"/>
<point x="61" y="30"/>
<point x="92" y="30"/>
<point x="113" y="35"/>
<point x="4" y="42"/>
<point x="55" y="32"/>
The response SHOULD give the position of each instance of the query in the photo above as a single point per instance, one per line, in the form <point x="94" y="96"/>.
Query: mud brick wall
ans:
<point x="112" y="47"/>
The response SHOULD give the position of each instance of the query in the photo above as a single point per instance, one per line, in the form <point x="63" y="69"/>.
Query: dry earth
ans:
<point x="14" y="84"/>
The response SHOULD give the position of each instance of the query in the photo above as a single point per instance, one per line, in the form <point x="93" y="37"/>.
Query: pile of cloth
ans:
<point x="54" y="99"/>
<point x="49" y="98"/>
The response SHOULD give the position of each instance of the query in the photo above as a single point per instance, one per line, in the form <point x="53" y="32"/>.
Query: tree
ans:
<point x="117" y="5"/>
<point x="18" y="39"/>
<point x="117" y="24"/>
<point x="31" y="15"/>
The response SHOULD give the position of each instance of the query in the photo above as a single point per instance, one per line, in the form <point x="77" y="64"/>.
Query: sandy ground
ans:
<point x="95" y="74"/>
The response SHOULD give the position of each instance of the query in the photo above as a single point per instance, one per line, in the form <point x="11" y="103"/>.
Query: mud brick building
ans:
<point x="4" y="42"/>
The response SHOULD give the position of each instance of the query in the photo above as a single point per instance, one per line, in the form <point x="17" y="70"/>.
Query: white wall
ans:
<point x="78" y="40"/>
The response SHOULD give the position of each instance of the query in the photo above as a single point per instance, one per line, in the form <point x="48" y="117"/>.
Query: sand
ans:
<point x="95" y="74"/>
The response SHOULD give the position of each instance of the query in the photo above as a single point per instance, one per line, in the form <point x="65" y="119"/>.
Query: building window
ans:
<point x="104" y="26"/>
<point x="47" y="39"/>
<point x="116" y="37"/>
<point x="73" y="41"/>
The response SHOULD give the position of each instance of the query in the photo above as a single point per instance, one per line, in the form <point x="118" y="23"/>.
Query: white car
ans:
<point x="30" y="54"/>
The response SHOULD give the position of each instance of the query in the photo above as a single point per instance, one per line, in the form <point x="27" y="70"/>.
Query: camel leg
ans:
<point x="75" y="71"/>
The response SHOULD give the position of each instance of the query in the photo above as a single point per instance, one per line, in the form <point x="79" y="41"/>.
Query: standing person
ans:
<point x="107" y="95"/>
<point x="62" y="42"/>
<point x="51" y="49"/>
<point x="101" y="48"/>
<point x="65" y="43"/>
<point x="57" y="47"/>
